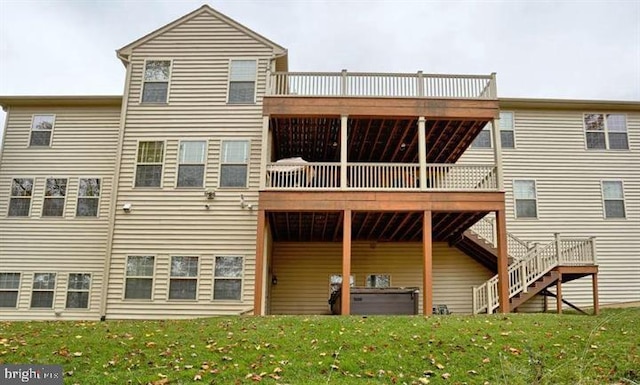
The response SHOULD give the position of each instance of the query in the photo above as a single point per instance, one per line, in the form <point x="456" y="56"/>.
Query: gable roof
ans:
<point x="125" y="51"/>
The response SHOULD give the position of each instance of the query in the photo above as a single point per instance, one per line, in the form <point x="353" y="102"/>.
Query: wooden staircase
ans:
<point x="531" y="269"/>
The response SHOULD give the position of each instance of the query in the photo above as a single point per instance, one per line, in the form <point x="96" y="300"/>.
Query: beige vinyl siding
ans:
<point x="170" y="221"/>
<point x="303" y="271"/>
<point x="83" y="145"/>
<point x="551" y="150"/>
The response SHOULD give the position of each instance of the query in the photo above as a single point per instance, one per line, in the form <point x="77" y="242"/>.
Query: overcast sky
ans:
<point x="541" y="49"/>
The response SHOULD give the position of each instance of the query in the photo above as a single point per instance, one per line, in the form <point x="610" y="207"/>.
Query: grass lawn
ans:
<point x="513" y="349"/>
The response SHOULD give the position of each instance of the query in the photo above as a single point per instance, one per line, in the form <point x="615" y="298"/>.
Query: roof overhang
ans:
<point x="568" y="104"/>
<point x="61" y="101"/>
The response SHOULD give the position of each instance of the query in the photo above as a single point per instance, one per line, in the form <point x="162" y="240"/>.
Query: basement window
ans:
<point x="78" y="291"/>
<point x="20" y="201"/>
<point x="139" y="277"/>
<point x="227" y="278"/>
<point x="54" y="197"/>
<point x="378" y="280"/>
<point x="335" y="282"/>
<point x="44" y="285"/>
<point x="184" y="278"/>
<point x="156" y="81"/>
<point x="9" y="287"/>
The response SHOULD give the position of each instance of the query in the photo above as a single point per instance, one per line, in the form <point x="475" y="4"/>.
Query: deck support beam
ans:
<point x="343" y="151"/>
<point x="596" y="301"/>
<point x="427" y="265"/>
<point x="503" y="261"/>
<point x="422" y="152"/>
<point x="559" y="294"/>
<point x="345" y="299"/>
<point x="258" y="303"/>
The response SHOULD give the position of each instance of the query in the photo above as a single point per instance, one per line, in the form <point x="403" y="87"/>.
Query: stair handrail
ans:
<point x="516" y="247"/>
<point x="538" y="262"/>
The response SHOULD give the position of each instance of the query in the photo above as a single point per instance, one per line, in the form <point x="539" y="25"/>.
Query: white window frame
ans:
<point x="624" y="200"/>
<point x="144" y="70"/>
<point x="255" y="81"/>
<point x="515" y="200"/>
<point x="241" y="278"/>
<point x="45" y="197"/>
<point x="12" y="290"/>
<point x="78" y="291"/>
<point x="33" y="189"/>
<point x="606" y="132"/>
<point x="33" y="118"/>
<point x="221" y="163"/>
<point x="136" y="164"/>
<point x="55" y="286"/>
<point x="512" y="129"/>
<point x="152" y="278"/>
<point x="489" y="127"/>
<point x="178" y="278"/>
<point x="206" y="157"/>
<point x="366" y="279"/>
<point x="98" y="198"/>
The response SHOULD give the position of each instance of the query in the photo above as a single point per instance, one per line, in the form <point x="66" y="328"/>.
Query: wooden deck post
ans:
<point x="596" y="301"/>
<point x="343" y="151"/>
<point x="559" y="294"/>
<point x="346" y="263"/>
<point x="497" y="153"/>
<point x="422" y="152"/>
<point x="264" y="152"/>
<point x="503" y="261"/>
<point x="259" y="274"/>
<point x="427" y="269"/>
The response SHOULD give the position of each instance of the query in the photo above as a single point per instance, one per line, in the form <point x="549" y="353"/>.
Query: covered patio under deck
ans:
<point x="405" y="223"/>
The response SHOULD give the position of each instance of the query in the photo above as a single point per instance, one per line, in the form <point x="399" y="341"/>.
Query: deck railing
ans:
<point x="516" y="247"/>
<point x="397" y="85"/>
<point x="538" y="262"/>
<point x="380" y="176"/>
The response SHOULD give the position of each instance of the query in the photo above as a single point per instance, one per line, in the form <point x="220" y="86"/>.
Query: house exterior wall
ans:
<point x="550" y="149"/>
<point x="170" y="221"/>
<point x="303" y="270"/>
<point x="83" y="145"/>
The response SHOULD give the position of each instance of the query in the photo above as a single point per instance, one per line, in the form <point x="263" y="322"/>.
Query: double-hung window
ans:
<point x="524" y="193"/>
<point x="242" y="82"/>
<point x="191" y="162"/>
<point x="78" y="291"/>
<point x="41" y="129"/>
<point x="507" y="133"/>
<point x="156" y="81"/>
<point x="613" y="196"/>
<point x="88" y="197"/>
<point x="149" y="164"/>
<point x="42" y="293"/>
<point x="139" y="277"/>
<point x="9" y="288"/>
<point x="54" y="196"/>
<point x="183" y="283"/>
<point x="20" y="201"/>
<point x="227" y="278"/>
<point x="606" y="131"/>
<point x="235" y="163"/>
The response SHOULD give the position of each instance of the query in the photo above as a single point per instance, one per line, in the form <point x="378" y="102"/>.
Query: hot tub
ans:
<point x="373" y="300"/>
